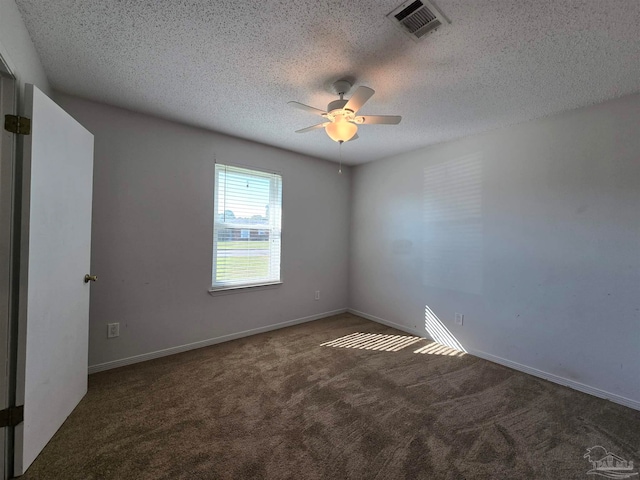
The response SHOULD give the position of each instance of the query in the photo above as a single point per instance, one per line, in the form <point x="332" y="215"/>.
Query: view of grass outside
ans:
<point x="244" y="245"/>
<point x="242" y="260"/>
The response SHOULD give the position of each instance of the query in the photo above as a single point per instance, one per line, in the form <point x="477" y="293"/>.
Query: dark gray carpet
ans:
<point x="280" y="406"/>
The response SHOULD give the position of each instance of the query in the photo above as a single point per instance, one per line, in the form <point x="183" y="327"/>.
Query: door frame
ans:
<point x="10" y="187"/>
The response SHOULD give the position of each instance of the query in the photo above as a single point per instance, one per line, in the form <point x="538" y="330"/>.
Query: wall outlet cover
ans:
<point x="113" y="330"/>
<point x="459" y="319"/>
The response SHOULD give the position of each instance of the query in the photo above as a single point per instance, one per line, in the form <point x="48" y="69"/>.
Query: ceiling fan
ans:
<point x="341" y="121"/>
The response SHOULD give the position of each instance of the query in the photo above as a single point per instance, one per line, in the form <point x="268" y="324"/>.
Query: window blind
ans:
<point x="247" y="227"/>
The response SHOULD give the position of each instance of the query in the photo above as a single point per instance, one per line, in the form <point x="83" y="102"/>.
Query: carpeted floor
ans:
<point x="281" y="406"/>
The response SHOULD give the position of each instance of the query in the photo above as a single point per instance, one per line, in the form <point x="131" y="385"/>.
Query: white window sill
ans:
<point x="215" y="291"/>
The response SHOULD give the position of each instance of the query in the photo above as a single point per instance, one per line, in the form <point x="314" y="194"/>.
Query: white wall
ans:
<point x="532" y="232"/>
<point x="152" y="234"/>
<point x="17" y="49"/>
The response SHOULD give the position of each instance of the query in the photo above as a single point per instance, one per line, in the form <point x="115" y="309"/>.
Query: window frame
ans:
<point x="261" y="284"/>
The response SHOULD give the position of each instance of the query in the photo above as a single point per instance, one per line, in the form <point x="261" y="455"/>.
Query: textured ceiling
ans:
<point x="232" y="66"/>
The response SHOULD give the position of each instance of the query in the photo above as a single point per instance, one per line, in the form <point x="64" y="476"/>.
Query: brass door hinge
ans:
<point x="16" y="124"/>
<point x="12" y="416"/>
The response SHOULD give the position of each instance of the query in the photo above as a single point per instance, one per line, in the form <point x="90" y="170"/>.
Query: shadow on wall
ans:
<point x="452" y="222"/>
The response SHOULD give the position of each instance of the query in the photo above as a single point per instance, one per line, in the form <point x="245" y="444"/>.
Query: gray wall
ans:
<point x="152" y="234"/>
<point x="532" y="232"/>
<point x="17" y="49"/>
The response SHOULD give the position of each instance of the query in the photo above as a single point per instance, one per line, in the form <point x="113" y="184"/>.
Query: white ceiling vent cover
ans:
<point x="417" y="18"/>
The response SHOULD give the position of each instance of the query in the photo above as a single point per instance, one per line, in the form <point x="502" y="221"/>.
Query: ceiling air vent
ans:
<point x="417" y="18"/>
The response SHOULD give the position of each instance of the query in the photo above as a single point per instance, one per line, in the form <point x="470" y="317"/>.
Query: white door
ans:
<point x="55" y="256"/>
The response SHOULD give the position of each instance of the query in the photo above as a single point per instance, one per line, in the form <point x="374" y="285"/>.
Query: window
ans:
<point x="246" y="228"/>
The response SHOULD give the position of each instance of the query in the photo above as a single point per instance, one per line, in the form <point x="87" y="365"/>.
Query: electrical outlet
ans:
<point x="317" y="295"/>
<point x="459" y="319"/>
<point x="113" y="330"/>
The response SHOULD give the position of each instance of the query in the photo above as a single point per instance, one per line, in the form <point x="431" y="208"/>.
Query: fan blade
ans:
<point x="355" y="137"/>
<point x="379" y="119"/>
<point x="359" y="98"/>
<point x="314" y="127"/>
<point x="306" y="108"/>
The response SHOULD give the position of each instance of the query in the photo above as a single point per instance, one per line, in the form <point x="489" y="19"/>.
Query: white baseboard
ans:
<point x="581" y="387"/>
<point x="205" y="343"/>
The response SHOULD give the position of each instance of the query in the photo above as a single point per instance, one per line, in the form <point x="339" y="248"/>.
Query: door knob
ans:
<point x="90" y="278"/>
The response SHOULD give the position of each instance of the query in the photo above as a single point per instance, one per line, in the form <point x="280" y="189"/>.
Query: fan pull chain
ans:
<point x="340" y="150"/>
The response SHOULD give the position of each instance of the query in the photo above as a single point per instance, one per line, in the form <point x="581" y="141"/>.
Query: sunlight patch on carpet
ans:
<point x="373" y="341"/>
<point x="439" y="349"/>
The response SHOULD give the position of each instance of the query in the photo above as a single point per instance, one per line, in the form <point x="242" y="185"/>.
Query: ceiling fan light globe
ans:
<point x="341" y="130"/>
